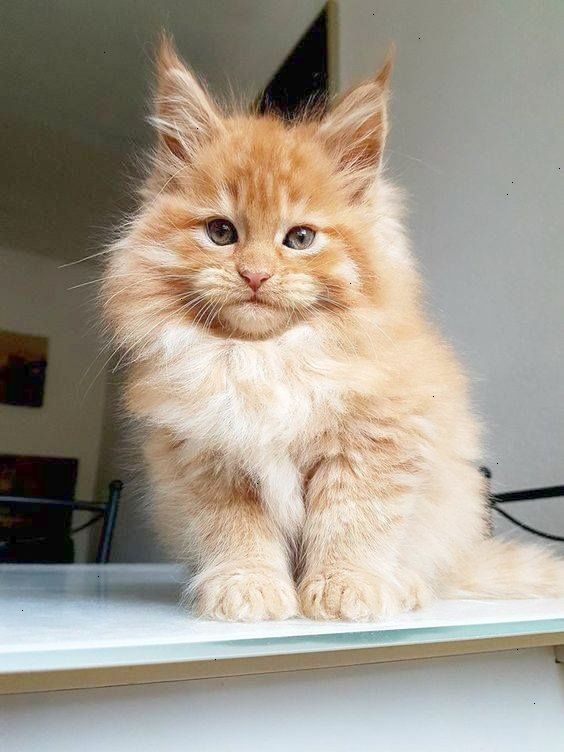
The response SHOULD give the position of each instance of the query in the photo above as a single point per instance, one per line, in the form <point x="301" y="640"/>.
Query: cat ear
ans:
<point x="184" y="114"/>
<point x="356" y="127"/>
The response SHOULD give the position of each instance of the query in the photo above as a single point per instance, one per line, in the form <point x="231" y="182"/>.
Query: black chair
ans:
<point x="106" y="511"/>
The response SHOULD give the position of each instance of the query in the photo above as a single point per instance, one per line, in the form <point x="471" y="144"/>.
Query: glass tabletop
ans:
<point x="81" y="616"/>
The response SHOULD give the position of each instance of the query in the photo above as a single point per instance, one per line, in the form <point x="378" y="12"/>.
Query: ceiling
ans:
<point x="75" y="77"/>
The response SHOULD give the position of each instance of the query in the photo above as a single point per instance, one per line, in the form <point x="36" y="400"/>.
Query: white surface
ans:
<point x="501" y="702"/>
<point x="477" y="114"/>
<point x="89" y="607"/>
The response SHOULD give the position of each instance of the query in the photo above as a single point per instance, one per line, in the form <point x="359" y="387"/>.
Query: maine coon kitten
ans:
<point x="308" y="434"/>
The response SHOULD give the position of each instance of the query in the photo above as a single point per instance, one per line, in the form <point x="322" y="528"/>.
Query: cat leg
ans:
<point x="356" y="515"/>
<point x="242" y="561"/>
<point x="211" y="518"/>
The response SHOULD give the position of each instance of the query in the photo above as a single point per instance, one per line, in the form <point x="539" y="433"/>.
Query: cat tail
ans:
<point x="502" y="569"/>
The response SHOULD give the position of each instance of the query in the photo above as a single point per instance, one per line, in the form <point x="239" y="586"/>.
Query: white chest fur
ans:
<point x="256" y="403"/>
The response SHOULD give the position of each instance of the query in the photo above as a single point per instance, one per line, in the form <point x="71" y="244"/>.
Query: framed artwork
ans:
<point x="23" y="364"/>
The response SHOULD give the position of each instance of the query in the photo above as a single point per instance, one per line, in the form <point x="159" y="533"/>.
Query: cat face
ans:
<point x="262" y="230"/>
<point x="252" y="224"/>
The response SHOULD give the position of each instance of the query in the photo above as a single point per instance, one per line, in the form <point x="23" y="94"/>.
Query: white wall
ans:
<point x="478" y="141"/>
<point x="35" y="299"/>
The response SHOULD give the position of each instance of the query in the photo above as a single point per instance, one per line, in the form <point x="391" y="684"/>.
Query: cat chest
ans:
<point x="260" y="413"/>
<point x="252" y="415"/>
<point x="253" y="404"/>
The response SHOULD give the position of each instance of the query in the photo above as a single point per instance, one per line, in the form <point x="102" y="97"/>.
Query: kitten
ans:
<point x="308" y="434"/>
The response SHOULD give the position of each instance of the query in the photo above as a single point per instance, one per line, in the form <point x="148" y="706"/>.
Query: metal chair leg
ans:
<point x="110" y="514"/>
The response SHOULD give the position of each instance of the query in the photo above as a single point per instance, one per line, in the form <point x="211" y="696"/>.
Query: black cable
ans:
<point x="531" y="494"/>
<point x="522" y="525"/>
<point x="87" y="524"/>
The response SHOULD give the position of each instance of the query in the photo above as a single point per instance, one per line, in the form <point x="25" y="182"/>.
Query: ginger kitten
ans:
<point x="308" y="435"/>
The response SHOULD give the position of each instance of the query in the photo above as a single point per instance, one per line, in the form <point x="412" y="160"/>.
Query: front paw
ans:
<point x="245" y="595"/>
<point x="353" y="596"/>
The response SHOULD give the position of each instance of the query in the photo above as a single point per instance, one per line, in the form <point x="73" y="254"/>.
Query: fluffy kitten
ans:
<point x="308" y="434"/>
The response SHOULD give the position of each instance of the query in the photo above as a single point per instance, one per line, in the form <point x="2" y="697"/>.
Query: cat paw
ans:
<point x="245" y="596"/>
<point x="356" y="596"/>
<point x="414" y="592"/>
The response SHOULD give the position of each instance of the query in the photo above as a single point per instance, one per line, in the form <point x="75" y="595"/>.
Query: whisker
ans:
<point x="124" y="274"/>
<point x="147" y="334"/>
<point x="86" y="258"/>
<point x="136" y="344"/>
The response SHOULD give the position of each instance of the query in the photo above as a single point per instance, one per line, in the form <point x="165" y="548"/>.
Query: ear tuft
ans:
<point x="356" y="127"/>
<point x="167" y="58"/>
<point x="385" y="73"/>
<point x="183" y="114"/>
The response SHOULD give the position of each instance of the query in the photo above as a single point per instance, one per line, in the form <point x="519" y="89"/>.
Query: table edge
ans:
<point x="85" y="677"/>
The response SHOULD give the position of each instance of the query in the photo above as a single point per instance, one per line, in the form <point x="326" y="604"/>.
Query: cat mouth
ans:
<point x="256" y="303"/>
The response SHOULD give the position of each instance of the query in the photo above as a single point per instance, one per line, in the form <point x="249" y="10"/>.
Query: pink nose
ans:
<point x="255" y="279"/>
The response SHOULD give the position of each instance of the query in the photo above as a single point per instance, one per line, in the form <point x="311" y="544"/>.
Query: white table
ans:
<point x="103" y="658"/>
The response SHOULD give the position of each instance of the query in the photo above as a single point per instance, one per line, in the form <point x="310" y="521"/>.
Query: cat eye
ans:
<point x="299" y="238"/>
<point x="221" y="231"/>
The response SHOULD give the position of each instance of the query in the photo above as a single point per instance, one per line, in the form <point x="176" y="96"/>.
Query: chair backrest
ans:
<point x="105" y="511"/>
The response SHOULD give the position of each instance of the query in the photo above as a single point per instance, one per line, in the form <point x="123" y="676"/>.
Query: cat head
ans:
<point x="251" y="223"/>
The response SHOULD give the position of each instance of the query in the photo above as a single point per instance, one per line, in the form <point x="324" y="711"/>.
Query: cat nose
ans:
<point x="255" y="279"/>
